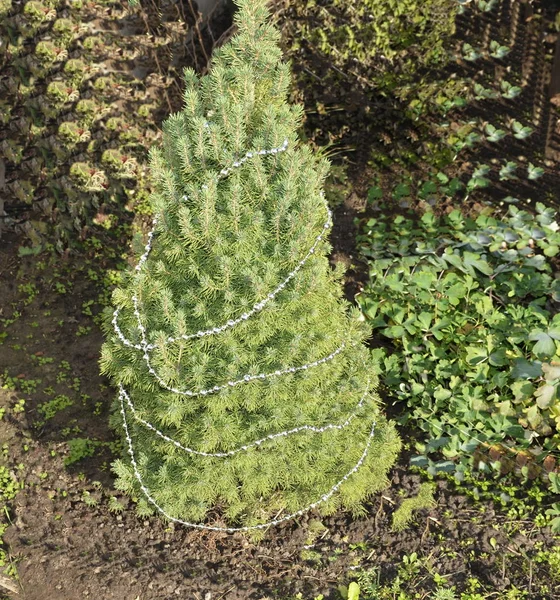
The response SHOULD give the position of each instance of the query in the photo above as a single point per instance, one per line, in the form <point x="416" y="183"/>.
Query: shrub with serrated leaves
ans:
<point x="471" y="309"/>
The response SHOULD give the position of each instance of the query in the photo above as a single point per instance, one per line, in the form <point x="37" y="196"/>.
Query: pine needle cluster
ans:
<point x="234" y="222"/>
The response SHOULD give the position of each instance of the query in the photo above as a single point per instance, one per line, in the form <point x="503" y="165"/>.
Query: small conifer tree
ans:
<point x="244" y="385"/>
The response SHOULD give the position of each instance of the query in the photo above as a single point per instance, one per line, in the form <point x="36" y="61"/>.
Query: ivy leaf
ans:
<point x="523" y="369"/>
<point x="545" y="345"/>
<point x="545" y="395"/>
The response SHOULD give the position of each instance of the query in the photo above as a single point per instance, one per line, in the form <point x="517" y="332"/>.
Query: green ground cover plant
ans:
<point x="384" y="42"/>
<point x="73" y="149"/>
<point x="469" y="306"/>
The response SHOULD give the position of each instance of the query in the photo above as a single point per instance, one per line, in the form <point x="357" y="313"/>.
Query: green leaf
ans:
<point x="419" y="461"/>
<point x="424" y="319"/>
<point x="353" y="591"/>
<point x="401" y="190"/>
<point x="516" y="432"/>
<point x="545" y="395"/>
<point x="438" y="443"/>
<point x="551" y="372"/>
<point x="545" y="345"/>
<point x="477" y="182"/>
<point x="475" y="355"/>
<point x="554" y="482"/>
<point x="395" y="331"/>
<point x="445" y="466"/>
<point x="424" y="279"/>
<point x="534" y="416"/>
<point x="440" y="393"/>
<point x="555" y="525"/>
<point x="474" y="260"/>
<point x="533" y="172"/>
<point x="438" y="326"/>
<point x="375" y="193"/>
<point x="522" y="390"/>
<point x="524" y="369"/>
<point x="455" y="185"/>
<point x="427" y="188"/>
<point x="498" y="358"/>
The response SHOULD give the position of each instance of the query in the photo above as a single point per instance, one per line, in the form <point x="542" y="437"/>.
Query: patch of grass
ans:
<point x="78" y="449"/>
<point x="405" y="513"/>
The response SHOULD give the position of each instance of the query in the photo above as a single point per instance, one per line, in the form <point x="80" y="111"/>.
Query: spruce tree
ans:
<point x="245" y="391"/>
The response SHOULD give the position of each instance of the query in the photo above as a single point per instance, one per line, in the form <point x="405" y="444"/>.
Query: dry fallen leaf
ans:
<point x="9" y="584"/>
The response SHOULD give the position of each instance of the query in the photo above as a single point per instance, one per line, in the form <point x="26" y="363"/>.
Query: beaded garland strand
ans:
<point x="124" y="395"/>
<point x="145" y="347"/>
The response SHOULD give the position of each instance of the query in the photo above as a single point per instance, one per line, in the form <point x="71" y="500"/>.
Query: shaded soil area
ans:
<point x="73" y="536"/>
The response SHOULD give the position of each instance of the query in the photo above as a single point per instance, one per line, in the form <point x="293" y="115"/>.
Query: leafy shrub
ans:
<point x="63" y="166"/>
<point x="468" y="306"/>
<point x="387" y="40"/>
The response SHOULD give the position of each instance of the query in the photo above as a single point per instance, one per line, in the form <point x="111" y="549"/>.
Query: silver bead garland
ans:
<point x="324" y="498"/>
<point x="258" y="306"/>
<point x="123" y="395"/>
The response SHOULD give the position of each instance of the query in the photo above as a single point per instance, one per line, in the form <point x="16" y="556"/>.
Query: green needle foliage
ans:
<point x="223" y="243"/>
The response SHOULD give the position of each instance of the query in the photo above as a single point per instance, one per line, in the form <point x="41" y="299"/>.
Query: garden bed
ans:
<point x="69" y="534"/>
